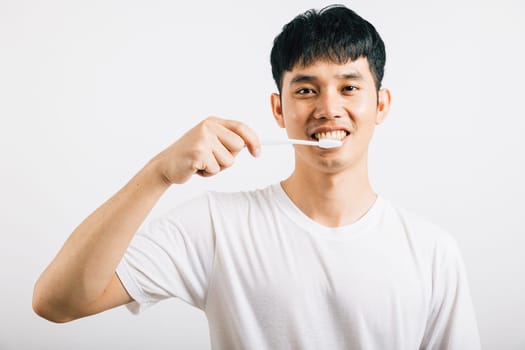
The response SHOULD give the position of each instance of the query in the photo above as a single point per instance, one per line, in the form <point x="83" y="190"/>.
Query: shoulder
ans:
<point x="433" y="248"/>
<point x="210" y="205"/>
<point x="421" y="232"/>
<point x="241" y="199"/>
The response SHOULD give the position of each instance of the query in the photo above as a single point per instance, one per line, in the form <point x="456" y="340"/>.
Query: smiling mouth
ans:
<point x="332" y="135"/>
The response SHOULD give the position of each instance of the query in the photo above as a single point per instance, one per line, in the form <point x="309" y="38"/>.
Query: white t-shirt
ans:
<point x="269" y="277"/>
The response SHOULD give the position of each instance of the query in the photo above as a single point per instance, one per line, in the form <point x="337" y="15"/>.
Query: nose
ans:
<point x="329" y="106"/>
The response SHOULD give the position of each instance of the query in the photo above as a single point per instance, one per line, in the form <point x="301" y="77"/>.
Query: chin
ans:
<point x="330" y="166"/>
<point x="332" y="162"/>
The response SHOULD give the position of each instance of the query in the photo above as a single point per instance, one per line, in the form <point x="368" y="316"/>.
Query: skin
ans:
<point x="81" y="279"/>
<point x="327" y="96"/>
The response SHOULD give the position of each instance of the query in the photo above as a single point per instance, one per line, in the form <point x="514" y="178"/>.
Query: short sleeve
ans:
<point x="452" y="322"/>
<point x="172" y="256"/>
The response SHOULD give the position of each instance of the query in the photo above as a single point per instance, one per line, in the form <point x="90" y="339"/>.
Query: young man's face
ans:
<point x="331" y="100"/>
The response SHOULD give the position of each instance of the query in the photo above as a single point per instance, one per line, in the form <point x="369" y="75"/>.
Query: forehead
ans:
<point x="323" y="70"/>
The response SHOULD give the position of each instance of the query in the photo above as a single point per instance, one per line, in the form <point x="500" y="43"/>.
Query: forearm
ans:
<point x="86" y="263"/>
<point x="81" y="279"/>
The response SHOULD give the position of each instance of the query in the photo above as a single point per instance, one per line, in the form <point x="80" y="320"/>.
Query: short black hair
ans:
<point x="334" y="33"/>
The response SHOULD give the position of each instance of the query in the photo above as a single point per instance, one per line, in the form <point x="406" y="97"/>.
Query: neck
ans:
<point x="331" y="199"/>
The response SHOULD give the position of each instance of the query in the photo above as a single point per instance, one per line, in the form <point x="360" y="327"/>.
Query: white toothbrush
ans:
<point x="322" y="143"/>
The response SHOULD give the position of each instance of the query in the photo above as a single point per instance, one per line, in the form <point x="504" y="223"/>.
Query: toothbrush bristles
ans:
<point x="329" y="143"/>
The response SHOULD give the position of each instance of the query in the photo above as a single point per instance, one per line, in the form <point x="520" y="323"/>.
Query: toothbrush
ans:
<point x="322" y="143"/>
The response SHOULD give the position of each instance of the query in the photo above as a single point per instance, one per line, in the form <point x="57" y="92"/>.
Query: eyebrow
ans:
<point x="304" y="78"/>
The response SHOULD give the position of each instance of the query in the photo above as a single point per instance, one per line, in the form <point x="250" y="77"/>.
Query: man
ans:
<point x="318" y="261"/>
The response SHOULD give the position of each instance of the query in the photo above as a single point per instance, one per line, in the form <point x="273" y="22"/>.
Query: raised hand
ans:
<point x="206" y="149"/>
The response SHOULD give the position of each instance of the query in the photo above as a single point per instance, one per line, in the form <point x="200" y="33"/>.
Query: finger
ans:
<point x="223" y="156"/>
<point x="229" y="140"/>
<point x="206" y="165"/>
<point x="248" y="135"/>
<point x="221" y="159"/>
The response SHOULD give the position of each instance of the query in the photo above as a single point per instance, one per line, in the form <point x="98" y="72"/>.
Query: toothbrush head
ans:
<point x="329" y="143"/>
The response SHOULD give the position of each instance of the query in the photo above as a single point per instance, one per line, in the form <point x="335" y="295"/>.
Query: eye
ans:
<point x="350" y="88"/>
<point x="305" y="91"/>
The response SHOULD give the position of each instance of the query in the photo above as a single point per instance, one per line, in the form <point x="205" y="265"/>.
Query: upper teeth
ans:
<point x="333" y="135"/>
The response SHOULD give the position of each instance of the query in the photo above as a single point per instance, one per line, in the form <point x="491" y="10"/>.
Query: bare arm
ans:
<point x="81" y="279"/>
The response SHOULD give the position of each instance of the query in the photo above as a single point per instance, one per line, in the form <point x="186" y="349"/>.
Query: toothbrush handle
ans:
<point x="290" y="142"/>
<point x="303" y="142"/>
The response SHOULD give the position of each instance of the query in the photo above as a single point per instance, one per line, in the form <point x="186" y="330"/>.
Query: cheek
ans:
<point x="365" y="114"/>
<point x="363" y="136"/>
<point x="294" y="126"/>
<point x="293" y="110"/>
<point x="365" y="105"/>
<point x="294" y="116"/>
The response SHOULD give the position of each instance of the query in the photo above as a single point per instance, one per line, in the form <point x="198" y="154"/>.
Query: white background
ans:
<point x="91" y="90"/>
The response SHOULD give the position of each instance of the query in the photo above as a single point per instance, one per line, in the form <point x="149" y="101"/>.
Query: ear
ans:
<point x="384" y="99"/>
<point x="277" y="110"/>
